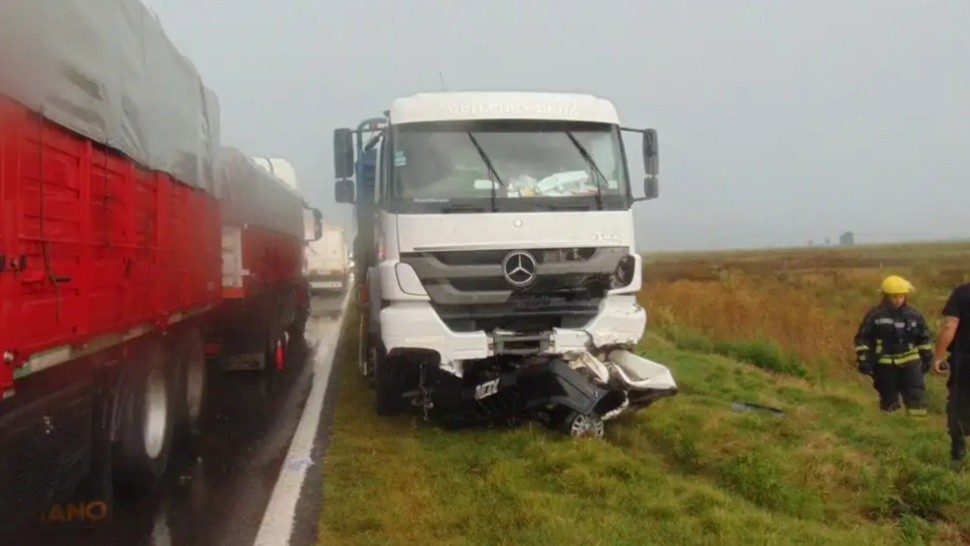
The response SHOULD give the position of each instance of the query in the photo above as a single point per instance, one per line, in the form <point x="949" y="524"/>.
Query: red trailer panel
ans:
<point x="92" y="243"/>
<point x="271" y="258"/>
<point x="263" y="233"/>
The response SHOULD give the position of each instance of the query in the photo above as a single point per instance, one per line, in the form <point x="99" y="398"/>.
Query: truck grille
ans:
<point x="469" y="290"/>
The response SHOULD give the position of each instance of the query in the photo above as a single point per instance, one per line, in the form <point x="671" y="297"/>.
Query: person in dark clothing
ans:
<point x="893" y="346"/>
<point x="954" y="339"/>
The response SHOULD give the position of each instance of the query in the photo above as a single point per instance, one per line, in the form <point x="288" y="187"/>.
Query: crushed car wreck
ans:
<point x="497" y="269"/>
<point x="575" y="396"/>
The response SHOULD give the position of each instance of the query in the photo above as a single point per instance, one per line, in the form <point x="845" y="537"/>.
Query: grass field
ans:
<point x="773" y="328"/>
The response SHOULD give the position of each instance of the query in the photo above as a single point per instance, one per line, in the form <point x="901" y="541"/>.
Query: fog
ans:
<point x="779" y="122"/>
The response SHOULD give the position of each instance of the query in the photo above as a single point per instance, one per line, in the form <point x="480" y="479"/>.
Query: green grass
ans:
<point x="764" y="353"/>
<point x="689" y="470"/>
<point x="768" y="327"/>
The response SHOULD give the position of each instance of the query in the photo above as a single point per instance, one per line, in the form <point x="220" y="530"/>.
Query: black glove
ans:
<point x="927" y="358"/>
<point x="865" y="367"/>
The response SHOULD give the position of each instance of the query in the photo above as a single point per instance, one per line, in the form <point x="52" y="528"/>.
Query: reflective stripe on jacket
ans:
<point x="893" y="336"/>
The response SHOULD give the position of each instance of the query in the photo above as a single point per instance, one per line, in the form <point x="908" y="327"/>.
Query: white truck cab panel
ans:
<point x="471" y="186"/>
<point x="503" y="248"/>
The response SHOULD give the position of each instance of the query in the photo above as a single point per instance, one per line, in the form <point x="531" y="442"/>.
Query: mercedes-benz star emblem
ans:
<point x="520" y="268"/>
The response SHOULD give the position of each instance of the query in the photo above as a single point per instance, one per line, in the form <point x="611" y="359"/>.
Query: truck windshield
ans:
<point x="518" y="164"/>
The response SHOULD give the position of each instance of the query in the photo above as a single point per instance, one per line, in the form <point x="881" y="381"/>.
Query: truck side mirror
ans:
<point x="317" y="225"/>
<point x="343" y="153"/>
<point x="651" y="152"/>
<point x="651" y="188"/>
<point x="343" y="191"/>
<point x="312" y="224"/>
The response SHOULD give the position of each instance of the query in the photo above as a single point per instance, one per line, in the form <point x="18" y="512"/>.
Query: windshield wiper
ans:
<point x="488" y="165"/>
<point x="593" y="166"/>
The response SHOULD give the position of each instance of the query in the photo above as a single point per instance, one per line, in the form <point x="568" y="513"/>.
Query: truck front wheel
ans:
<point x="367" y="354"/>
<point x="388" y="383"/>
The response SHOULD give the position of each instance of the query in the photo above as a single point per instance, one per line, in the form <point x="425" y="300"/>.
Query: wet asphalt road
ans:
<point x="217" y="495"/>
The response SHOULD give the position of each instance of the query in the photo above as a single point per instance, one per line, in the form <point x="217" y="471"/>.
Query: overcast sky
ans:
<point x="779" y="122"/>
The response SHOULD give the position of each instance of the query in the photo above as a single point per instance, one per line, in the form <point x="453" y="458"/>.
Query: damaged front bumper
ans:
<point x="575" y="395"/>
<point x="570" y="378"/>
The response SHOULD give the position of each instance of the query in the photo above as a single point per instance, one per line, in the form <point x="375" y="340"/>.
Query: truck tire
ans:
<point x="193" y="383"/>
<point x="367" y="352"/>
<point x="146" y="420"/>
<point x="388" y="384"/>
<point x="298" y="328"/>
<point x="303" y="310"/>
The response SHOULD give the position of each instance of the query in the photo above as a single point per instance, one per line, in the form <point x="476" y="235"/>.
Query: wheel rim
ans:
<point x="586" y="426"/>
<point x="156" y="413"/>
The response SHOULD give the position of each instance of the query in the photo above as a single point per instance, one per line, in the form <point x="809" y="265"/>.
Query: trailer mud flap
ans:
<point x="91" y="504"/>
<point x="73" y="424"/>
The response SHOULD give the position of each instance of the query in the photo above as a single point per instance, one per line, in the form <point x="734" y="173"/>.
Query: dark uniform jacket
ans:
<point x="893" y="336"/>
<point x="958" y="306"/>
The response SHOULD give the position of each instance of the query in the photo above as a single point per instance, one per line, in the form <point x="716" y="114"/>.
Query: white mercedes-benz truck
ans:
<point x="500" y="273"/>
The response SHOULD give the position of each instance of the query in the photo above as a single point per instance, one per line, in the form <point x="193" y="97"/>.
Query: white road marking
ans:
<point x="277" y="525"/>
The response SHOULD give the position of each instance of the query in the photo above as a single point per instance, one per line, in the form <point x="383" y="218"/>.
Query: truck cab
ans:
<point x="500" y="228"/>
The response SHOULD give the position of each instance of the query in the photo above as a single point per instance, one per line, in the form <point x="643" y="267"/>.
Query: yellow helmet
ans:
<point x="896" y="285"/>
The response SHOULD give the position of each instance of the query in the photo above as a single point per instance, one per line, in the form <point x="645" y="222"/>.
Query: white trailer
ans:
<point x="327" y="260"/>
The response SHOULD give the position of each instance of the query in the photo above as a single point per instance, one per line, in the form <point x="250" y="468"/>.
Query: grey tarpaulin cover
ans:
<point x="106" y="70"/>
<point x="251" y="195"/>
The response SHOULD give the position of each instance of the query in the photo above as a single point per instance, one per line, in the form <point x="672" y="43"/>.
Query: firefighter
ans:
<point x="954" y="339"/>
<point x="893" y="346"/>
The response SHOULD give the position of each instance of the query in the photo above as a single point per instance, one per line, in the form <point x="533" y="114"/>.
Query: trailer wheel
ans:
<point x="146" y="427"/>
<point x="195" y="382"/>
<point x="298" y="328"/>
<point x="388" y="384"/>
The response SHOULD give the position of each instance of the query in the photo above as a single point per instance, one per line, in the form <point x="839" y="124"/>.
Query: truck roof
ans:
<point x="469" y="105"/>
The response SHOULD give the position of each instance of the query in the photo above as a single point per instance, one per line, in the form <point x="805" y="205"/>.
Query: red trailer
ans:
<point x="130" y="243"/>
<point x="265" y="295"/>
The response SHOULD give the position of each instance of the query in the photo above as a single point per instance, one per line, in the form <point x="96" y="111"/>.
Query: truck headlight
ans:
<point x="623" y="275"/>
